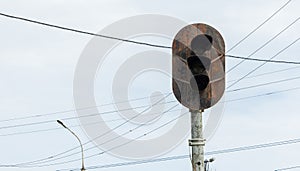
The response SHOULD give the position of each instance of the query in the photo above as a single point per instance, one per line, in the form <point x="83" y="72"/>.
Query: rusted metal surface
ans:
<point x="181" y="51"/>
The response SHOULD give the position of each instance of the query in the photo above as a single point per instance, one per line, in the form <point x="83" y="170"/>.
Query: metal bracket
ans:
<point x="197" y="142"/>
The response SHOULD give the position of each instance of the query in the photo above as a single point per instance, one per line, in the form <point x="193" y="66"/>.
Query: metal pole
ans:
<point x="197" y="142"/>
<point x="82" y="157"/>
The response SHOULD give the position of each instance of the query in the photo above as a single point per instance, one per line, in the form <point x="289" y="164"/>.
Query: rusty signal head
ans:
<point x="198" y="66"/>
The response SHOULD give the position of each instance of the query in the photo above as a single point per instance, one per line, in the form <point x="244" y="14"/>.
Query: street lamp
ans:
<point x="82" y="162"/>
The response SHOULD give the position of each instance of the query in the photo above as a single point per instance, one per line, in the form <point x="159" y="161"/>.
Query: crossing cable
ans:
<point x="127" y="40"/>
<point x="92" y="123"/>
<point x="156" y="45"/>
<point x="136" y="99"/>
<point x="78" y="125"/>
<point x="258" y="27"/>
<point x="37" y="23"/>
<point x="76" y="109"/>
<point x="83" y="32"/>
<point x="271" y="93"/>
<point x="289" y="141"/>
<point x="115" y="147"/>
<point x="288" y="168"/>
<point x="110" y="140"/>
<point x="264" y="94"/>
<point x="261" y="65"/>
<point x="91" y="140"/>
<point x="266" y="73"/>
<point x="76" y="117"/>
<point x="114" y="111"/>
<point x="263" y="84"/>
<point x="215" y="152"/>
<point x="127" y="109"/>
<point x="263" y="60"/>
<point x="131" y="100"/>
<point x="262" y="46"/>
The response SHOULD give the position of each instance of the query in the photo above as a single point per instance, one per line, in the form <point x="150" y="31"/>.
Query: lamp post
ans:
<point x="82" y="158"/>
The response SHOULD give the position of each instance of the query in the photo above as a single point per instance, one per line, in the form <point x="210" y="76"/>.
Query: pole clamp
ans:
<point x="197" y="142"/>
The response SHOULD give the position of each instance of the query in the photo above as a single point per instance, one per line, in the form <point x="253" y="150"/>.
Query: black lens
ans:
<point x="198" y="64"/>
<point x="199" y="82"/>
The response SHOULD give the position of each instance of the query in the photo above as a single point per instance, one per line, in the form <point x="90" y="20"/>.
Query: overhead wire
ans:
<point x="288" y="168"/>
<point x="266" y="73"/>
<point x="156" y="45"/>
<point x="91" y="33"/>
<point x="78" y="125"/>
<point x="261" y="65"/>
<point x="112" y="120"/>
<point x="76" y="109"/>
<point x="259" y="26"/>
<point x="76" y="117"/>
<point x="105" y="142"/>
<point x="264" y="60"/>
<point x="135" y="99"/>
<point x="263" y="84"/>
<point x="178" y="157"/>
<point x="270" y="93"/>
<point x="127" y="40"/>
<point x="112" y="139"/>
<point x="120" y="110"/>
<point x="91" y="140"/>
<point x="262" y="46"/>
<point x="82" y="32"/>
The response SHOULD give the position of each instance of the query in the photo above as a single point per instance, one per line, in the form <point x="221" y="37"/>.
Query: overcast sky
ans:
<point x="37" y="66"/>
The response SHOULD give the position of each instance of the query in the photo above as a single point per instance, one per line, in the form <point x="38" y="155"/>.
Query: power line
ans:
<point x="106" y="37"/>
<point x="266" y="73"/>
<point x="120" y="39"/>
<point x="216" y="152"/>
<point x="141" y="98"/>
<point x="105" y="142"/>
<point x="115" y="111"/>
<point x="264" y="84"/>
<point x="288" y="168"/>
<point x="76" y="117"/>
<point x="263" y="23"/>
<point x="78" y="125"/>
<point x="242" y="99"/>
<point x="112" y="120"/>
<point x="74" y="148"/>
<point x="278" y="53"/>
<point x="77" y="109"/>
<point x="136" y="128"/>
<point x="264" y="60"/>
<point x="156" y="45"/>
<point x="115" y="147"/>
<point x="231" y="100"/>
<point x="136" y="99"/>
<point x="82" y="32"/>
<point x="264" y="94"/>
<point x="265" y="44"/>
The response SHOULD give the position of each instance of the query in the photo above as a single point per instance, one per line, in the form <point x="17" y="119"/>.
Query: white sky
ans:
<point x="37" y="67"/>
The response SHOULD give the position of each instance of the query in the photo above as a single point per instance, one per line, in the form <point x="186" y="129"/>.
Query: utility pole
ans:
<point x="197" y="142"/>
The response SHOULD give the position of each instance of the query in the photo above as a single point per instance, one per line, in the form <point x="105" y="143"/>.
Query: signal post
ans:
<point x="198" y="78"/>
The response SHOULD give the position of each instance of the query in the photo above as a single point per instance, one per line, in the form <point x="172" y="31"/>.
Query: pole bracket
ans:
<point x="197" y="142"/>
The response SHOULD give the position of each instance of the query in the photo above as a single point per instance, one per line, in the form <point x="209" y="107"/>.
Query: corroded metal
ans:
<point x="181" y="83"/>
